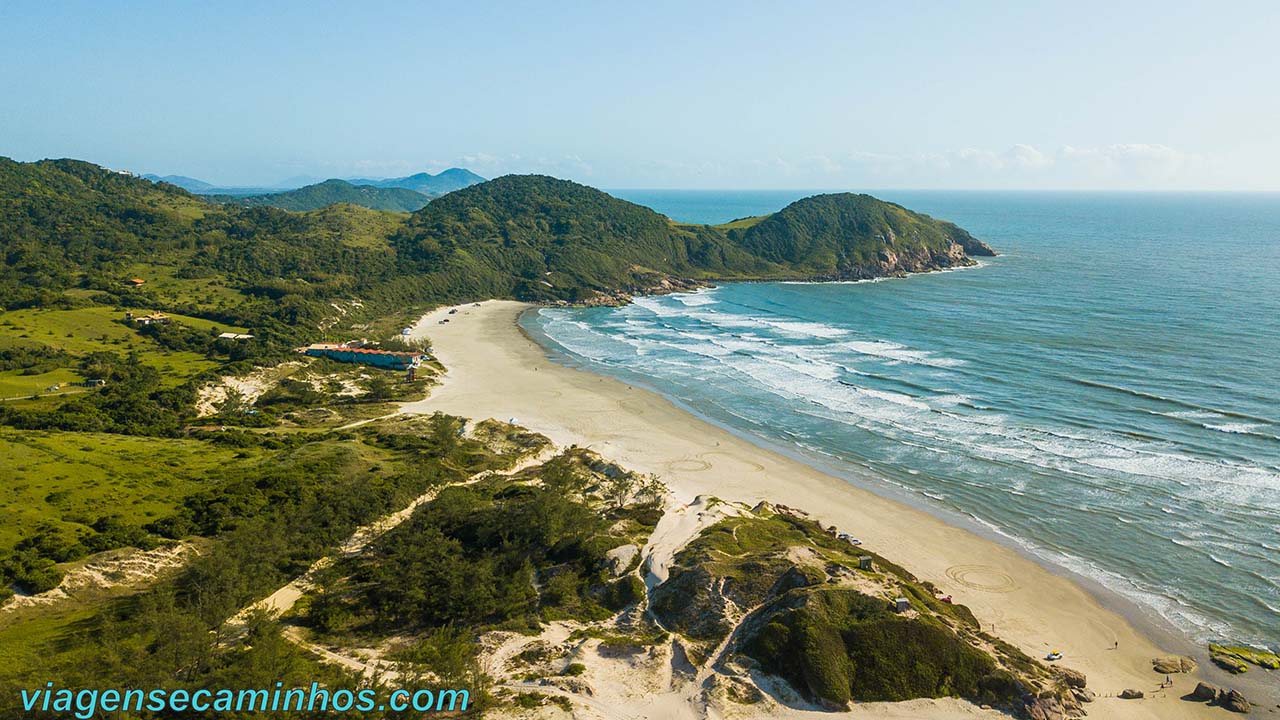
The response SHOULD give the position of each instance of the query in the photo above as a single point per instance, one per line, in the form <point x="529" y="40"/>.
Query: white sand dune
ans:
<point x="494" y="370"/>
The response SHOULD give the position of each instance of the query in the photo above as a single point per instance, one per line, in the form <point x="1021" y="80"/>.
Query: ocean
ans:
<point x="1105" y="394"/>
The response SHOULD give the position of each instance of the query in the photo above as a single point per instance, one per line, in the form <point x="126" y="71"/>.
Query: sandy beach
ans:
<point x="495" y="370"/>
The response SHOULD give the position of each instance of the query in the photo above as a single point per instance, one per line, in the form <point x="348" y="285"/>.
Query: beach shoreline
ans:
<point x="1146" y="620"/>
<point x="495" y="369"/>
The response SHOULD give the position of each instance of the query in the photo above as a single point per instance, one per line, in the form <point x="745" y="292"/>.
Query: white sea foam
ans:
<point x="807" y="364"/>
<point x="1240" y="429"/>
<point x="694" y="299"/>
<point x="894" y="352"/>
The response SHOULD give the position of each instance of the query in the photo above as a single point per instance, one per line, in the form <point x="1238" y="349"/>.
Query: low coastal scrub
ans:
<point x="800" y="603"/>
<point x="268" y="519"/>
<point x="509" y="553"/>
<point x="838" y="645"/>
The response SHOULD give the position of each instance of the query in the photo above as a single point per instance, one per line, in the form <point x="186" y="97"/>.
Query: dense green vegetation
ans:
<point x="272" y="514"/>
<point x="536" y="237"/>
<point x="70" y="225"/>
<point x="817" y="618"/>
<point x="504" y="552"/>
<point x="854" y="236"/>
<point x="837" y="645"/>
<point x="329" y="192"/>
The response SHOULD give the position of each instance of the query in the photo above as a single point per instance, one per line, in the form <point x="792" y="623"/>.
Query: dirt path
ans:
<point x="284" y="598"/>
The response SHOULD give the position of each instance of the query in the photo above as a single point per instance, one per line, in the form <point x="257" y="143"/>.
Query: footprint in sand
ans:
<point x="982" y="577"/>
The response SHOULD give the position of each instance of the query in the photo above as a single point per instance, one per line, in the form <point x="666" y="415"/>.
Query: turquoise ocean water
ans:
<point x="1105" y="394"/>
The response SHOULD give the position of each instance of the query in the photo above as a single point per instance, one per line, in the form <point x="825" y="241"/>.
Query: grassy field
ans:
<point x="14" y="385"/>
<point x="742" y="223"/>
<point x="29" y="638"/>
<point x="86" y="330"/>
<point x="73" y="478"/>
<point x="162" y="281"/>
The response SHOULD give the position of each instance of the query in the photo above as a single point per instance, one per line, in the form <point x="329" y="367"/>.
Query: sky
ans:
<point x="655" y="94"/>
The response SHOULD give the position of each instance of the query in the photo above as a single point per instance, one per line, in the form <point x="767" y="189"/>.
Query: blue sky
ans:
<point x="1107" y="95"/>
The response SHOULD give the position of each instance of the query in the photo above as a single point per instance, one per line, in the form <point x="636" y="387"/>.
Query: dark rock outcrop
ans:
<point x="1204" y="692"/>
<point x="1045" y="708"/>
<point x="1234" y="701"/>
<point x="1072" y="678"/>
<point x="1230" y="663"/>
<point x="1131" y="694"/>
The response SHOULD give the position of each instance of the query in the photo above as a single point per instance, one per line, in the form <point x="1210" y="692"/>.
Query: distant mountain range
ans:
<point x="182" y="181"/>
<point x="314" y="197"/>
<point x="403" y="194"/>
<point x="426" y="183"/>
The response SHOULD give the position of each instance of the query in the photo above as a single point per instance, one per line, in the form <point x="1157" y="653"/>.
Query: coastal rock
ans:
<point x="1205" y="692"/>
<point x="1245" y="654"/>
<point x="1072" y="678"/>
<point x="1083" y="696"/>
<point x="1131" y="694"/>
<point x="1234" y="701"/>
<point x="1045" y="708"/>
<point x="972" y="245"/>
<point x="620" y="558"/>
<point x="1230" y="663"/>
<point x="1173" y="664"/>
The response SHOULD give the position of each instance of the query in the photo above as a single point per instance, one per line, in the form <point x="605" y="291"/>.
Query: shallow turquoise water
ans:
<point x="1106" y="393"/>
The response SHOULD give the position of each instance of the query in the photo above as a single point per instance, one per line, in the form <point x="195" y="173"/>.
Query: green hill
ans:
<point x="329" y="192"/>
<point x="75" y="232"/>
<point x="554" y="239"/>
<point x="846" y="236"/>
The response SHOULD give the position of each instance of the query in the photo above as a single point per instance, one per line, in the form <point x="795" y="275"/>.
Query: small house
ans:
<point x="156" y="318"/>
<point x="234" y="336"/>
<point x="354" y="352"/>
<point x="135" y="282"/>
<point x="901" y="605"/>
<point x="864" y="563"/>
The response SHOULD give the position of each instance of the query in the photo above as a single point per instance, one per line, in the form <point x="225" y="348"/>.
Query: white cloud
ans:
<point x="1027" y="156"/>
<point x="1132" y="165"/>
